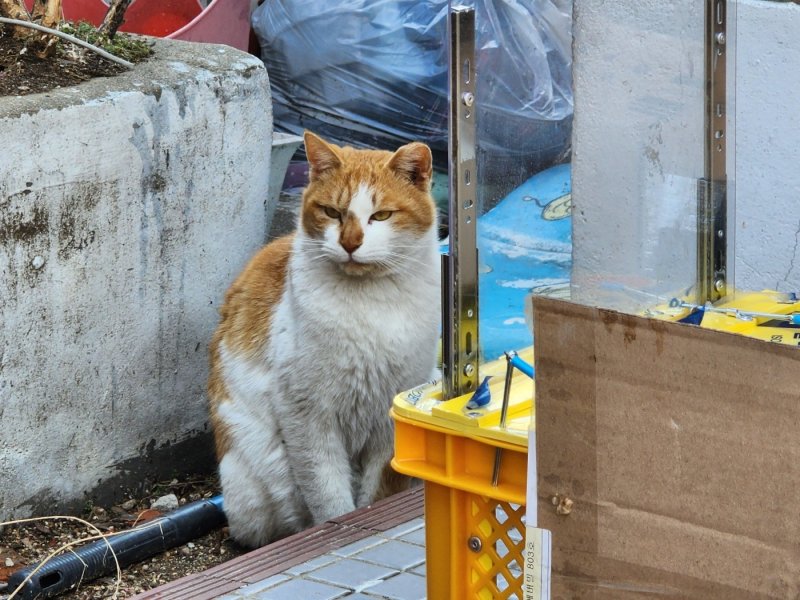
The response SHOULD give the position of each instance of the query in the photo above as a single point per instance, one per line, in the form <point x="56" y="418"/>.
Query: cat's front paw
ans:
<point x="333" y="510"/>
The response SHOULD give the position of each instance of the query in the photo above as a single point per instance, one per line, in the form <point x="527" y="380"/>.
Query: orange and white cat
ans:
<point x="318" y="333"/>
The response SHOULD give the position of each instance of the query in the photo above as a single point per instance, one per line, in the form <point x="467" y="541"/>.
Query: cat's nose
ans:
<point x="350" y="246"/>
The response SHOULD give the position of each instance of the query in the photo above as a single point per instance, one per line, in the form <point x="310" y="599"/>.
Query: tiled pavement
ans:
<point x="376" y="552"/>
<point x="386" y="565"/>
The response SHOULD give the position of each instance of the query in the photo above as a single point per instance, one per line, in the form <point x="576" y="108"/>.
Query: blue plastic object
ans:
<point x="525" y="245"/>
<point x="790" y="319"/>
<point x="482" y="395"/>
<point x="522" y="365"/>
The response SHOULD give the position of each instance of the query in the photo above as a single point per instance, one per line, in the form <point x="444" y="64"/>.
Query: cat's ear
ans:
<point x="321" y="155"/>
<point x="414" y="163"/>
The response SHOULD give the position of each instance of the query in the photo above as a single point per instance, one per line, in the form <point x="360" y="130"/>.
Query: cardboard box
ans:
<point x="679" y="448"/>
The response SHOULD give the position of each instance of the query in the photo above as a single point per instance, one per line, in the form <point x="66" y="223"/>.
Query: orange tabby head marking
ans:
<point x="364" y="206"/>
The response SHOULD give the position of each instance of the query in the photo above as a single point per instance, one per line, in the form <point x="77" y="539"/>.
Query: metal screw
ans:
<point x="720" y="37"/>
<point x="475" y="543"/>
<point x="720" y="233"/>
<point x="468" y="99"/>
<point x="719" y="285"/>
<point x="469" y="369"/>
<point x="564" y="506"/>
<point x="470" y="313"/>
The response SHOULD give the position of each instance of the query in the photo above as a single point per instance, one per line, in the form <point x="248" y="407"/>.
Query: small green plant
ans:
<point x="88" y="507"/>
<point x="131" y="48"/>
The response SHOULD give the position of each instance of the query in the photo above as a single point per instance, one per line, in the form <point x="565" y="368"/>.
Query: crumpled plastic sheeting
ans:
<point x="525" y="57"/>
<point x="374" y="72"/>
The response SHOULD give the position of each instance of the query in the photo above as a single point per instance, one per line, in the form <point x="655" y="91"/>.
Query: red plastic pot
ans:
<point x="221" y="22"/>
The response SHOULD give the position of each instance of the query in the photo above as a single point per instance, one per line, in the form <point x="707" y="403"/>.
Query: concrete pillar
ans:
<point x="127" y="206"/>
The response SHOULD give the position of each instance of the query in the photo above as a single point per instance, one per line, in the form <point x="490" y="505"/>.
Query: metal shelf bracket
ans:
<point x="460" y="265"/>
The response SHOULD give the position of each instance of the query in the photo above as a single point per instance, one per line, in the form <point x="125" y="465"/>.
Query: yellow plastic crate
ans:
<point x="475" y="532"/>
<point x="750" y="320"/>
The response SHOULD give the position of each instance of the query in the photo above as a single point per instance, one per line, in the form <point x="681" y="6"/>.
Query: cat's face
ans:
<point x="368" y="211"/>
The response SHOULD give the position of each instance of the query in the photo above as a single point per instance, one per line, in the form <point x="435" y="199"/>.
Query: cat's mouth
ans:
<point x="355" y="267"/>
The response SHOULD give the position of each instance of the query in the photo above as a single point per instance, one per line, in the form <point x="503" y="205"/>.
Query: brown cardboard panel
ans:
<point x="679" y="447"/>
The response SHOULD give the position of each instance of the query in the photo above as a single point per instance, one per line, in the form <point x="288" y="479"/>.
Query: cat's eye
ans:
<point x="331" y="212"/>
<point x="381" y="215"/>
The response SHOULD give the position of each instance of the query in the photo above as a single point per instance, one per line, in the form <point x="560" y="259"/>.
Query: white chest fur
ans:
<point x="348" y="344"/>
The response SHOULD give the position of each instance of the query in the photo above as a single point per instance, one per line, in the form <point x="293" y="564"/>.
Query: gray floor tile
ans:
<point x="404" y="528"/>
<point x="405" y="586"/>
<point x="310" y="565"/>
<point x="352" y="574"/>
<point x="414" y="537"/>
<point x="358" y="546"/>
<point x="369" y="569"/>
<point x="394" y="553"/>
<point x="262" y="585"/>
<point x="300" y="589"/>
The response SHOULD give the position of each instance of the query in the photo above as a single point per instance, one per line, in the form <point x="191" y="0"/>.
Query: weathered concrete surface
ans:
<point x="127" y="206"/>
<point x="638" y="147"/>
<point x="767" y="140"/>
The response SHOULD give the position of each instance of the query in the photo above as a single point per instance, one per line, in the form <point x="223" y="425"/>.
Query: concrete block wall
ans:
<point x="767" y="234"/>
<point x="127" y="206"/>
<point x="638" y="135"/>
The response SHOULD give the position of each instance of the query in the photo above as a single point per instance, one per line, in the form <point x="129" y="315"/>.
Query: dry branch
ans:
<point x="52" y="13"/>
<point x="38" y="10"/>
<point x="49" y="11"/>
<point x="45" y="12"/>
<point x="15" y="9"/>
<point x="114" y="17"/>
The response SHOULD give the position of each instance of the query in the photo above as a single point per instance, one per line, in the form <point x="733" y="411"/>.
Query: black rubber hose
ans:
<point x="95" y="560"/>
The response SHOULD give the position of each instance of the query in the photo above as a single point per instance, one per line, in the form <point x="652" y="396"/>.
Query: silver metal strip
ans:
<point x="712" y="190"/>
<point x="498" y="452"/>
<point x="460" y="308"/>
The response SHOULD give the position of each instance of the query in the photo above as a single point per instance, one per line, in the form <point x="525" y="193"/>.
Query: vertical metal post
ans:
<point x="460" y="266"/>
<point x="712" y="189"/>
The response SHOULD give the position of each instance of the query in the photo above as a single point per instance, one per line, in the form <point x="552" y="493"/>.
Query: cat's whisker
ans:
<point x="405" y="258"/>
<point x="393" y="262"/>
